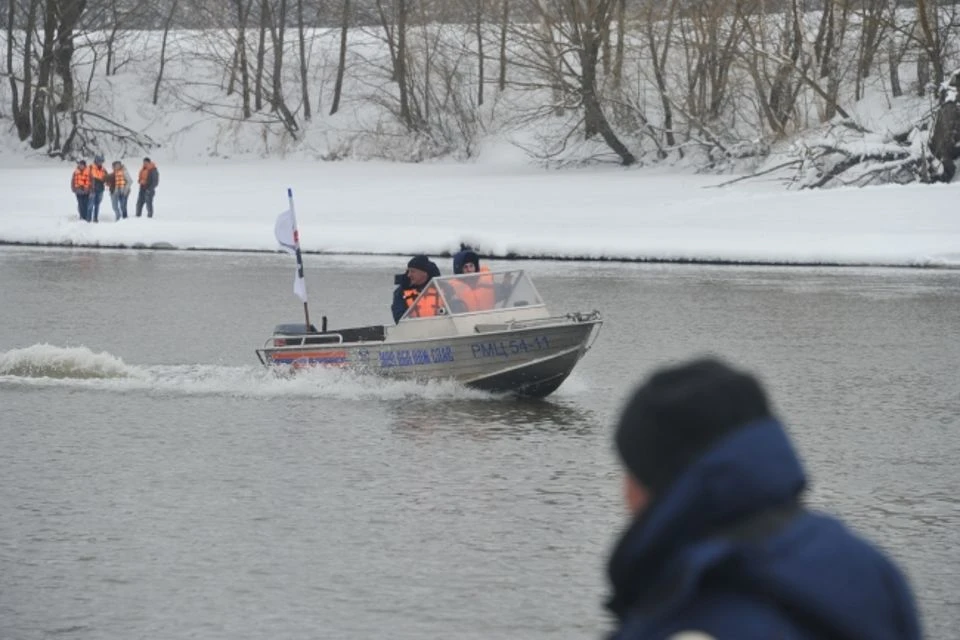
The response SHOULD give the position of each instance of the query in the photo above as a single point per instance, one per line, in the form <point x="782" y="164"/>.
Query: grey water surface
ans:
<point x="156" y="482"/>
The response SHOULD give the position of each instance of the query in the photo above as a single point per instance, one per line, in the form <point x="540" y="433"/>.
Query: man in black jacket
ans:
<point x="420" y="269"/>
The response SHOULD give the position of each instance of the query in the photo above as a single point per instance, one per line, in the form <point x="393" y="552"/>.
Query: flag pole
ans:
<point x="296" y="243"/>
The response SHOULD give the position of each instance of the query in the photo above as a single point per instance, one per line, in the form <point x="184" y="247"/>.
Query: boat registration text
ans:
<point x="508" y="348"/>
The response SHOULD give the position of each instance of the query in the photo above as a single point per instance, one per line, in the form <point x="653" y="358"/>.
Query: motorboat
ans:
<point x="487" y="330"/>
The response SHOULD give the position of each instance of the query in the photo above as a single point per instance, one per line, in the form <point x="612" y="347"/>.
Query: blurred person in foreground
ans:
<point x="720" y="545"/>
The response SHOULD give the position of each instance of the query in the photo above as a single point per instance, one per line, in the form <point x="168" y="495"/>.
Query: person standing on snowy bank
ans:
<point x="119" y="183"/>
<point x="98" y="177"/>
<point x="720" y="544"/>
<point x="148" y="179"/>
<point x="80" y="185"/>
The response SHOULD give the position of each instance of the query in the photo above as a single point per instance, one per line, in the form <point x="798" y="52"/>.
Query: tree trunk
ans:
<point x="21" y="110"/>
<point x="595" y="120"/>
<point x="305" y="96"/>
<point x="783" y="95"/>
<point x="163" y="49"/>
<point x="617" y="70"/>
<point x="504" y="24"/>
<point x="824" y="42"/>
<point x="261" y="56"/>
<point x="342" y="62"/>
<point x="923" y="73"/>
<point x="391" y="42"/>
<point x="112" y="38"/>
<point x="871" y="36"/>
<point x="69" y="14"/>
<point x="240" y="64"/>
<point x="659" y="62"/>
<point x="893" y="63"/>
<point x="278" y="33"/>
<point x="401" y="63"/>
<point x="928" y="16"/>
<point x="478" y="26"/>
<point x="38" y="132"/>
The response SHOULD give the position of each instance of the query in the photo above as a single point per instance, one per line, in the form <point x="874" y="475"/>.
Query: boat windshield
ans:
<point x="487" y="291"/>
<point x="473" y="293"/>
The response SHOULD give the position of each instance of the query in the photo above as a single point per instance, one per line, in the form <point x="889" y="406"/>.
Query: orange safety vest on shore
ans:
<point x="120" y="178"/>
<point x="478" y="293"/>
<point x="97" y="173"/>
<point x="428" y="305"/>
<point x="81" y="179"/>
<point x="144" y="176"/>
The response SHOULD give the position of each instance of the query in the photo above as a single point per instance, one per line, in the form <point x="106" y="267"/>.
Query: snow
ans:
<point x="501" y="207"/>
<point x="224" y="182"/>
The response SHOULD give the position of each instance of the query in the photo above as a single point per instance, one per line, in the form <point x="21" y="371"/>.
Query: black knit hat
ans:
<point x="420" y="262"/>
<point x="679" y="413"/>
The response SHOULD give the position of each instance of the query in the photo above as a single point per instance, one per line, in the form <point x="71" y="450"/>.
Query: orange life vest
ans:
<point x="97" y="173"/>
<point x="120" y="178"/>
<point x="477" y="293"/>
<point x="144" y="176"/>
<point x="81" y="179"/>
<point x="426" y="306"/>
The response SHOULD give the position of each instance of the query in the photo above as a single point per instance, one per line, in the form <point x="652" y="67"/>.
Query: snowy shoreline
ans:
<point x="503" y="212"/>
<point x="932" y="265"/>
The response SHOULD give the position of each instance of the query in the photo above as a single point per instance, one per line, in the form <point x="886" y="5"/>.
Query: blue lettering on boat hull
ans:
<point x="509" y="348"/>
<point x="412" y="357"/>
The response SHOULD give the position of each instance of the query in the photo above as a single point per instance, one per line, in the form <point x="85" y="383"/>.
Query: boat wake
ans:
<point x="44" y="365"/>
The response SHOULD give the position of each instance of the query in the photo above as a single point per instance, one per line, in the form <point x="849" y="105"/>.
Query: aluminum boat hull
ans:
<point x="525" y="359"/>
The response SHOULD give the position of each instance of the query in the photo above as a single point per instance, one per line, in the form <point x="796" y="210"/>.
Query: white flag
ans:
<point x="286" y="232"/>
<point x="299" y="285"/>
<point x="289" y="239"/>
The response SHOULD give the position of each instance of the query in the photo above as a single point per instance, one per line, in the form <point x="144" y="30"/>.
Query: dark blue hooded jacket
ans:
<point x="728" y="550"/>
<point x="464" y="256"/>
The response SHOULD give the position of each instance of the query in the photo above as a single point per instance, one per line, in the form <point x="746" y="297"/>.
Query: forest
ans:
<point x="719" y="85"/>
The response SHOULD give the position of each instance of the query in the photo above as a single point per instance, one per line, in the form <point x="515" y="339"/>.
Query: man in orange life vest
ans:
<point x="420" y="270"/>
<point x="98" y="175"/>
<point x="148" y="179"/>
<point x="475" y="293"/>
<point x="80" y="185"/>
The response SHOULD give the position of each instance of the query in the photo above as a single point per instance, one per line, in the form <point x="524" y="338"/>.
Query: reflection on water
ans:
<point x="494" y="417"/>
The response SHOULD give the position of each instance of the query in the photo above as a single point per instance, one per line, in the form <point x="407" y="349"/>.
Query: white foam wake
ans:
<point x="48" y="361"/>
<point x="46" y="365"/>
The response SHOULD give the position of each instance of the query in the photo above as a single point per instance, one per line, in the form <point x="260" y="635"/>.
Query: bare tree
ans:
<point x="261" y="55"/>
<point x="580" y="27"/>
<point x="163" y="49"/>
<point x="117" y="16"/>
<point x="68" y="13"/>
<point x="21" y="109"/>
<point x="621" y="19"/>
<point x="659" y="50"/>
<point x="403" y="16"/>
<point x="478" y="29"/>
<point x="302" y="46"/>
<point x="43" y="95"/>
<point x="239" y="64"/>
<point x="931" y="43"/>
<point x="277" y="35"/>
<point x="342" y="59"/>
<point x="504" y="22"/>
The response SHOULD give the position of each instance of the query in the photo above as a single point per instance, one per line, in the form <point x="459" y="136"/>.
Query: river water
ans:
<point x="155" y="482"/>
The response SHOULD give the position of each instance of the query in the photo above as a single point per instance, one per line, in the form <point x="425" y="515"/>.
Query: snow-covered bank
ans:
<point x="502" y="209"/>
